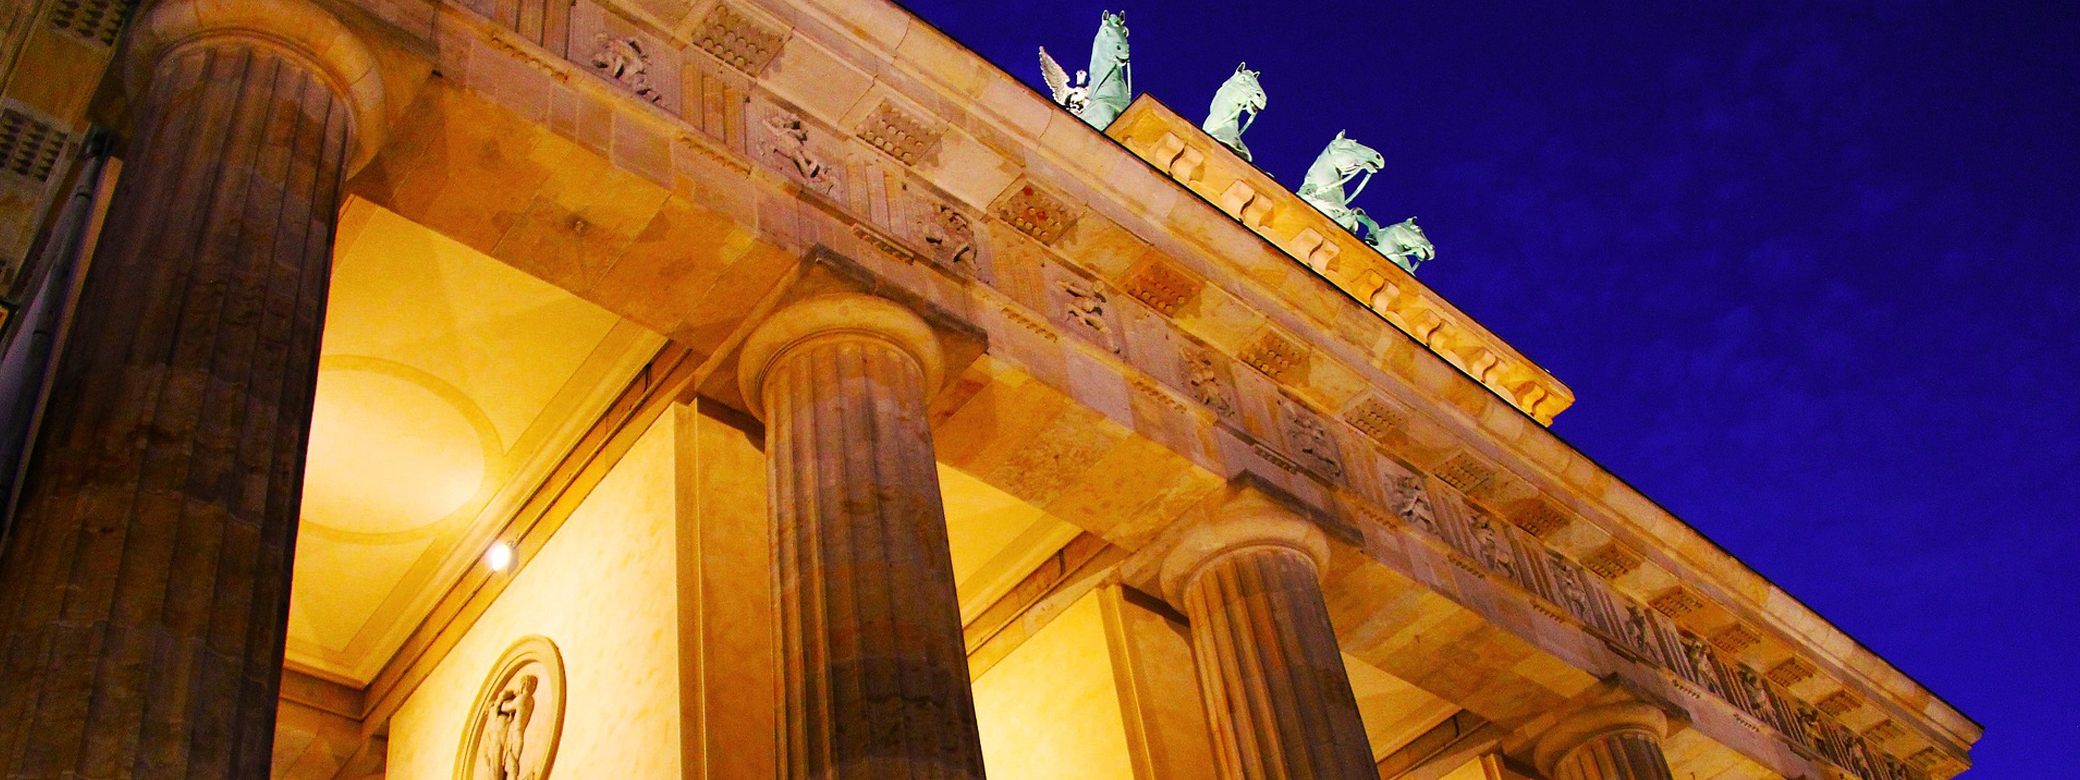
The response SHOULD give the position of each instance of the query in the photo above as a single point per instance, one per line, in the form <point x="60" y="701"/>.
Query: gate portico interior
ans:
<point x="838" y="407"/>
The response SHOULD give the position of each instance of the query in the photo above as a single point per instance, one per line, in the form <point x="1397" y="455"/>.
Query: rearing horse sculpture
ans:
<point x="1238" y="95"/>
<point x="1342" y="161"/>
<point x="1099" y="94"/>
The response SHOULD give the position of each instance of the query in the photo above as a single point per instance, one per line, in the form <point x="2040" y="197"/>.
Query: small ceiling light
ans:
<point x="499" y="556"/>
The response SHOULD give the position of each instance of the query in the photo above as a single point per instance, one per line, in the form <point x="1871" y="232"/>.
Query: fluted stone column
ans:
<point x="874" y="676"/>
<point x="144" y="595"/>
<point x="1276" y="691"/>
<point x="1607" y="742"/>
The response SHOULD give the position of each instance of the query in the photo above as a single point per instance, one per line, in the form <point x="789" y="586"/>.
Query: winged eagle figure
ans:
<point x="1071" y="95"/>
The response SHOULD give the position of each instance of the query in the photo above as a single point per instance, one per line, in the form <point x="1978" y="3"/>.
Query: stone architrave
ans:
<point x="146" y="586"/>
<point x="1270" y="670"/>
<point x="874" y="674"/>
<point x="1605" y="742"/>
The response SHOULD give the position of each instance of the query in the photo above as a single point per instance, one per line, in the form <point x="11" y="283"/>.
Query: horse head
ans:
<point x="1111" y="44"/>
<point x="1244" y="89"/>
<point x="1353" y="157"/>
<point x="1404" y="239"/>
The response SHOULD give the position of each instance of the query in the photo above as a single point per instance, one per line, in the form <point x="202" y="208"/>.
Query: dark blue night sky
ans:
<point x="1810" y="268"/>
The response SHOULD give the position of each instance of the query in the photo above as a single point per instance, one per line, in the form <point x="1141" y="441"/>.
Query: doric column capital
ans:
<point x="1581" y="726"/>
<point x="1248" y="519"/>
<point x="836" y="316"/>
<point x="308" y="33"/>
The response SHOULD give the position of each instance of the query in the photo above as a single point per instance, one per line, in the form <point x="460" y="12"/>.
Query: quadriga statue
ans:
<point x="1403" y="243"/>
<point x="1099" y="94"/>
<point x="1240" y="94"/>
<point x="1337" y="165"/>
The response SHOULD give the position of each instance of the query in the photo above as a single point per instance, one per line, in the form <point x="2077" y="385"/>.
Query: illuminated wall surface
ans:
<point x="603" y="589"/>
<point x="1049" y="710"/>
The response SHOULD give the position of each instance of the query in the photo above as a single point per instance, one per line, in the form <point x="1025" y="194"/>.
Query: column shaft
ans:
<point x="874" y="673"/>
<point x="1273" y="679"/>
<point x="1617" y="755"/>
<point x="144" y="597"/>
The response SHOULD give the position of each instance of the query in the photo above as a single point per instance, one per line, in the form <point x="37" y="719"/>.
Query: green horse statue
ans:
<point x="1403" y="243"/>
<point x="1337" y="165"/>
<point x="1099" y="94"/>
<point x="1240" y="94"/>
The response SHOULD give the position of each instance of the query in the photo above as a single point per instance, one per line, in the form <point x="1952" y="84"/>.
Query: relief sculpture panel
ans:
<point x="514" y="727"/>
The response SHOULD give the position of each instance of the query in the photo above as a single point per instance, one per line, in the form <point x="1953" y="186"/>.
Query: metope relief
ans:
<point x="1082" y="306"/>
<point x="1309" y="439"/>
<point x="784" y="140"/>
<point x="1205" y="378"/>
<point x="517" y="720"/>
<point x="622" y="52"/>
<point x="1637" y="630"/>
<point x="621" y="60"/>
<point x="947" y="237"/>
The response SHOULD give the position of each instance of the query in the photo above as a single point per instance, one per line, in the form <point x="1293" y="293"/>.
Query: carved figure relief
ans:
<point x="1085" y="307"/>
<point x="1203" y="380"/>
<point x="1492" y="546"/>
<point x="787" y="139"/>
<point x="948" y="237"/>
<point x="1310" y="439"/>
<point x="1415" y="505"/>
<point x="1759" y="703"/>
<point x="1700" y="656"/>
<point x="621" y="59"/>
<point x="1567" y="580"/>
<point x="514" y="727"/>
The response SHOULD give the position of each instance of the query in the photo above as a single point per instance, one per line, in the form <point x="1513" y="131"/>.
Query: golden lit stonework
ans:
<point x="759" y="389"/>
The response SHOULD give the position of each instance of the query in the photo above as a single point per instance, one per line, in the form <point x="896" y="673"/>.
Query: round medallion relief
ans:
<point x="514" y="726"/>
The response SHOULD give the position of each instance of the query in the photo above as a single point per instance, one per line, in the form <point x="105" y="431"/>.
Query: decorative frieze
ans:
<point x="738" y="40"/>
<point x="29" y="147"/>
<point x="1539" y="517"/>
<point x="785" y="146"/>
<point x="1034" y="212"/>
<point x="1839" y="703"/>
<point x="947" y="237"/>
<point x="621" y="59"/>
<point x="1204" y="373"/>
<point x="1275" y="356"/>
<point x="1644" y="631"/>
<point x="1791" y="672"/>
<point x="1884" y="731"/>
<point x="1465" y="473"/>
<point x="1735" y="638"/>
<point x="1308" y="437"/>
<point x="1677" y="602"/>
<point x="1161" y="286"/>
<point x="898" y="134"/>
<point x="1376" y="419"/>
<point x="95" y="21"/>
<point x="1082" y="306"/>
<point x="1612" y="561"/>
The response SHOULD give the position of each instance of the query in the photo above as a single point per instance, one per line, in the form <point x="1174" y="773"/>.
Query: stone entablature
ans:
<point x="1698" y="666"/>
<point x="1181" y="150"/>
<point x="1066" y="249"/>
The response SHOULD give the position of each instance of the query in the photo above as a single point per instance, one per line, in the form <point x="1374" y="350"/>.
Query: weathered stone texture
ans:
<point x="146" y="589"/>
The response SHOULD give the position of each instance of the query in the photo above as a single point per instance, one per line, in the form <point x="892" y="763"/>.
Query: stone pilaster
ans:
<point x="874" y="676"/>
<point x="1276" y="691"/>
<point x="1607" y="742"/>
<point x="144" y="596"/>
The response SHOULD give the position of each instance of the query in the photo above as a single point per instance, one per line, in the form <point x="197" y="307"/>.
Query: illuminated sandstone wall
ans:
<point x="603" y="589"/>
<point x="1050" y="709"/>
